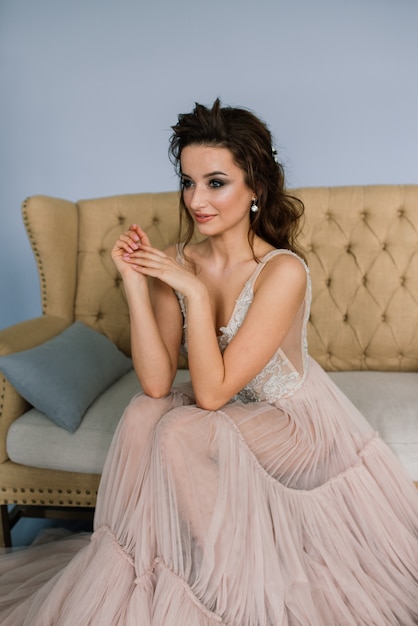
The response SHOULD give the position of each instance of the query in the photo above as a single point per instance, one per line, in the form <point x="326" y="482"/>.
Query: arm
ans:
<point x="279" y="293"/>
<point x="155" y="316"/>
<point x="217" y="377"/>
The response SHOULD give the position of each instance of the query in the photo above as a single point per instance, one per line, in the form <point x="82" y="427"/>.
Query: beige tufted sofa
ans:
<point x="362" y="250"/>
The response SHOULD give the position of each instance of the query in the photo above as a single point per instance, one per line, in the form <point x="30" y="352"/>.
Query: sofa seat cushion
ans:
<point x="34" y="440"/>
<point x="389" y="401"/>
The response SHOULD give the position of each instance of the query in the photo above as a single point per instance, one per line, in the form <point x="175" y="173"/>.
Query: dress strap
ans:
<point x="256" y="274"/>
<point x="266" y="258"/>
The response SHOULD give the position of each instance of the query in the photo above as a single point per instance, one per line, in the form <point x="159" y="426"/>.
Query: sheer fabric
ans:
<point x="282" y="508"/>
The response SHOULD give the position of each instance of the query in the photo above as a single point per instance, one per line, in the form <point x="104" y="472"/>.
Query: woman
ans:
<point x="258" y="495"/>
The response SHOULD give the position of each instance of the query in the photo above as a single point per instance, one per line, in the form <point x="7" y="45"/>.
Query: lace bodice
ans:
<point x="286" y="370"/>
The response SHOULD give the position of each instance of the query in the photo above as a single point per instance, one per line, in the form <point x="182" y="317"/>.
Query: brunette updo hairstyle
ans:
<point x="249" y="140"/>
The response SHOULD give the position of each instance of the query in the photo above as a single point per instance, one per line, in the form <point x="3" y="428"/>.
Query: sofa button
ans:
<point x="384" y="246"/>
<point x="364" y="280"/>
<point x="383" y="318"/>
<point x="328" y="282"/>
<point x="363" y="215"/>
<point x="401" y="212"/>
<point x="402" y="280"/>
<point x="345" y="317"/>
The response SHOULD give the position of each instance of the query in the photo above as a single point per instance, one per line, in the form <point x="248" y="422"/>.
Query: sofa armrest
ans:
<point x="52" y="228"/>
<point x="16" y="338"/>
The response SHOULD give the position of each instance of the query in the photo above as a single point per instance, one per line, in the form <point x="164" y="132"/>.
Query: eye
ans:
<point x="186" y="183"/>
<point x="215" y="183"/>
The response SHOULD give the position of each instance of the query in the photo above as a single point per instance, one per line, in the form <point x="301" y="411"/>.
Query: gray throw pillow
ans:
<point x="64" y="375"/>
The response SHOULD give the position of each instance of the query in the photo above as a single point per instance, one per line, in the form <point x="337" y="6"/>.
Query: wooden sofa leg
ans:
<point x="5" y="536"/>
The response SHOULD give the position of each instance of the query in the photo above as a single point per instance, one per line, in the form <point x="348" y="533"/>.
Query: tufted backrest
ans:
<point x="100" y="301"/>
<point x="362" y="251"/>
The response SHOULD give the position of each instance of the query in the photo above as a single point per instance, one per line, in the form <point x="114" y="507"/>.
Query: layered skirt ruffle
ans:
<point x="254" y="515"/>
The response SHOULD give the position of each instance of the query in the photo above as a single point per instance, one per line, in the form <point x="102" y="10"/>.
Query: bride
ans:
<point x="256" y="495"/>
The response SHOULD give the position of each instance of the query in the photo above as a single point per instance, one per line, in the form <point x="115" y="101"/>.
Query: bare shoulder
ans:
<point x="284" y="269"/>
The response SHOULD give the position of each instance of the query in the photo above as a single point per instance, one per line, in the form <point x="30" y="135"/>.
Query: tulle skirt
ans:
<point x="254" y="515"/>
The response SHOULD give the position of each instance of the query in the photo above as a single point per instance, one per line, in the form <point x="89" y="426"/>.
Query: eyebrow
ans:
<point x="209" y="175"/>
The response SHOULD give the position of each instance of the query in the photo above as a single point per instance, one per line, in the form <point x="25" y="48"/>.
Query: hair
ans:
<point x="250" y="142"/>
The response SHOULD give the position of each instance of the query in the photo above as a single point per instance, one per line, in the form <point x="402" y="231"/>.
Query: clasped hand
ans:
<point x="134" y="254"/>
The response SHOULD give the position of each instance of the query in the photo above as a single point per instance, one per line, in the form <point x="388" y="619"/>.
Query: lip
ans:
<point x="202" y="218"/>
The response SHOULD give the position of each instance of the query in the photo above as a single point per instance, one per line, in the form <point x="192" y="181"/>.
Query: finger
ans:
<point x="143" y="237"/>
<point x="150" y="257"/>
<point x="151" y="251"/>
<point x="128" y="242"/>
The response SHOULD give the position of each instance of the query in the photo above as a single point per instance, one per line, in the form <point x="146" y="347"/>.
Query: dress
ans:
<point x="282" y="508"/>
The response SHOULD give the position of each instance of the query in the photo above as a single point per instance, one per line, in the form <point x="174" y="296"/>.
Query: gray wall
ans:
<point x="89" y="89"/>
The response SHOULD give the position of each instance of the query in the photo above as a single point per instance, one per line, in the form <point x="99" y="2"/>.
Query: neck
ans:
<point x="229" y="251"/>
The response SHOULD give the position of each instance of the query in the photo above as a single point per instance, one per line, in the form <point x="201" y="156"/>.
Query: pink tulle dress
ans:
<point x="282" y="508"/>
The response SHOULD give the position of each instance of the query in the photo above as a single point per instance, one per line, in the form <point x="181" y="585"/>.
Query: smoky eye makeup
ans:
<point x="216" y="183"/>
<point x="185" y="183"/>
<point x="214" y="180"/>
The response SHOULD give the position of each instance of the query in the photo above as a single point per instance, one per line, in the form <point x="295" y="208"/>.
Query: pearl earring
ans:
<point x="254" y="206"/>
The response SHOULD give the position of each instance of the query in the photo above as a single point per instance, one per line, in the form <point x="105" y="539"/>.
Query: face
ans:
<point x="214" y="189"/>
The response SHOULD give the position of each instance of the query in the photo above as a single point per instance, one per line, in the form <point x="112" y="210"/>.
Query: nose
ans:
<point x="196" y="198"/>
